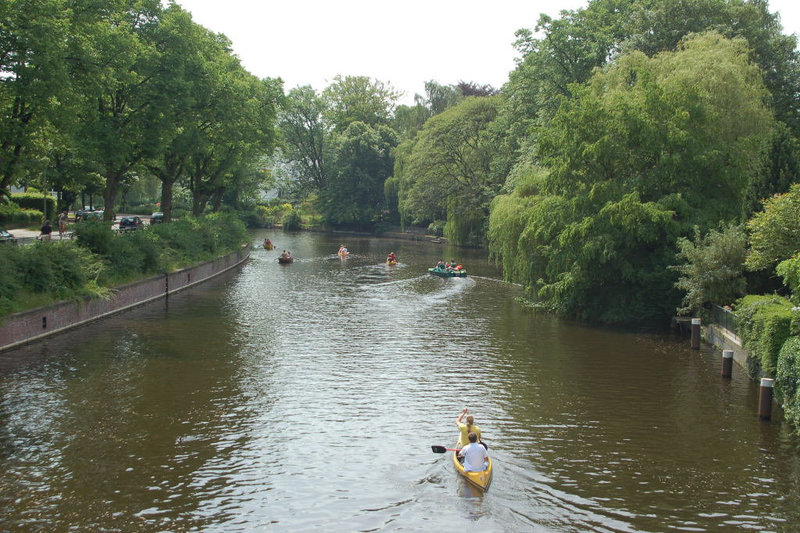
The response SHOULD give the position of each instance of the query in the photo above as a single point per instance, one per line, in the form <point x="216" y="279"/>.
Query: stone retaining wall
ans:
<point x="21" y="328"/>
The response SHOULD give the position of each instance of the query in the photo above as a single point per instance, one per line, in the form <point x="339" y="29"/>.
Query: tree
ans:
<point x="775" y="231"/>
<point x="122" y="119"/>
<point x="236" y="135"/>
<point x="305" y="136"/>
<point x="648" y="149"/>
<point x="36" y="93"/>
<point x="712" y="269"/>
<point x="358" y="99"/>
<point x="354" y="194"/>
<point x="448" y="170"/>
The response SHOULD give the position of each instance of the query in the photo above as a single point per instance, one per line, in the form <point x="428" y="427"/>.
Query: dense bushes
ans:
<point x="35" y="201"/>
<point x="764" y="324"/>
<point x="98" y="258"/>
<point x="60" y="270"/>
<point x="11" y="214"/>
<point x="787" y="380"/>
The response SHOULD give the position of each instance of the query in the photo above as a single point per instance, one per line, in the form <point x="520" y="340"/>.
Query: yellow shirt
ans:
<point x="463" y="439"/>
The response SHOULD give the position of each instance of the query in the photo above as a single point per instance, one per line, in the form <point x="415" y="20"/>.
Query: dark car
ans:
<point x="7" y="237"/>
<point x="157" y="217"/>
<point x="127" y="223"/>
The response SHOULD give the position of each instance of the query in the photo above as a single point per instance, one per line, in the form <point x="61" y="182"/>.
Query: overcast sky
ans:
<point x="308" y="42"/>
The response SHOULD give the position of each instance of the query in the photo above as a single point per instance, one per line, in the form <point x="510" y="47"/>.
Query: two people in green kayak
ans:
<point x="472" y="449"/>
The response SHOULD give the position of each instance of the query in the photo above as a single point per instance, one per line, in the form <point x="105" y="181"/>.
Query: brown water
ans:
<point x="306" y="396"/>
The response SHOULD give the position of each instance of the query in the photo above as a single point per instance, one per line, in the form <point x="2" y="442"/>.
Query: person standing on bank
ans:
<point x="46" y="231"/>
<point x="466" y="429"/>
<point x="62" y="224"/>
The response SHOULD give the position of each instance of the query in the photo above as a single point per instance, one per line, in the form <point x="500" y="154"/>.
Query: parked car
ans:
<point x="127" y="223"/>
<point x="80" y="214"/>
<point x="7" y="237"/>
<point x="87" y="212"/>
<point x="157" y="217"/>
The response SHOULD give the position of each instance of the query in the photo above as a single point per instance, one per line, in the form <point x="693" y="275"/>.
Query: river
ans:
<point x="307" y="396"/>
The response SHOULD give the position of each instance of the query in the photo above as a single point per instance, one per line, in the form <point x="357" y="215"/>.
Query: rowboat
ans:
<point x="480" y="480"/>
<point x="443" y="273"/>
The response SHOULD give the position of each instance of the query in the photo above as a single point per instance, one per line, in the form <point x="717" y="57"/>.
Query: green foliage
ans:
<point x="789" y="270"/>
<point x="291" y="220"/>
<point x="764" y="325"/>
<point x="354" y="194"/>
<point x="446" y="171"/>
<point x="351" y="99"/>
<point x="775" y="231"/>
<point x="648" y="149"/>
<point x="35" y="201"/>
<point x="60" y="269"/>
<point x="94" y="235"/>
<point x="787" y="380"/>
<point x="11" y="214"/>
<point x="712" y="268"/>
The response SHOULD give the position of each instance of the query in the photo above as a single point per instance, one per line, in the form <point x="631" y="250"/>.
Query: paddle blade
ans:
<point x="438" y="449"/>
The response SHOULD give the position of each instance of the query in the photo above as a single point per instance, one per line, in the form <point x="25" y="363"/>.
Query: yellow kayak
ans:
<point x="480" y="480"/>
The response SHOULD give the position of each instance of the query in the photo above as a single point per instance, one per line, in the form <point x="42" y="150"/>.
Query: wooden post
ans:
<point x="727" y="363"/>
<point x="695" y="333"/>
<point x="765" y="399"/>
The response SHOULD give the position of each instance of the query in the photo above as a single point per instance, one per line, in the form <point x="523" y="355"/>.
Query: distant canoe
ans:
<point x="391" y="263"/>
<point x="285" y="260"/>
<point x="442" y="273"/>
<point x="269" y="246"/>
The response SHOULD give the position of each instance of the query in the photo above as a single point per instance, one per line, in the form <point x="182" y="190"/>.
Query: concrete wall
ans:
<point x="723" y="339"/>
<point x="35" y="324"/>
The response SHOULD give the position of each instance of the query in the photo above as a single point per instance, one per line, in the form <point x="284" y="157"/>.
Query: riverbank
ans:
<point x="28" y="326"/>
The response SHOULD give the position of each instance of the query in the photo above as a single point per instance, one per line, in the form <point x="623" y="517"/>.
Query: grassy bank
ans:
<point x="99" y="259"/>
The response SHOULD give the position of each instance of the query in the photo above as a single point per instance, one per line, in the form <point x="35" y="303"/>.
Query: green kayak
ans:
<point x="442" y="273"/>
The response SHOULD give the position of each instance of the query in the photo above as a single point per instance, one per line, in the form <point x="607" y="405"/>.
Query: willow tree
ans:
<point x="645" y="151"/>
<point x="448" y="171"/>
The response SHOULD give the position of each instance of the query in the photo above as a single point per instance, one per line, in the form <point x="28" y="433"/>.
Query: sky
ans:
<point x="404" y="44"/>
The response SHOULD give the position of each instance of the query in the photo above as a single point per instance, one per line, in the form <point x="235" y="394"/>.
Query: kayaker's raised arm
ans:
<point x="461" y="416"/>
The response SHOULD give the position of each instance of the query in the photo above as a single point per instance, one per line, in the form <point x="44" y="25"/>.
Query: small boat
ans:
<point x="391" y="263"/>
<point x="480" y="480"/>
<point x="269" y="246"/>
<point x="444" y="273"/>
<point x="285" y="260"/>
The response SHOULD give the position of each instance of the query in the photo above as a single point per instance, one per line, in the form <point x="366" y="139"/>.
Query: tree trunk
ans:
<point x="113" y="179"/>
<point x="167" y="186"/>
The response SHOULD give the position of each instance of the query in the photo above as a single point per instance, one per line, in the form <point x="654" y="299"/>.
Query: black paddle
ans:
<point x="442" y="449"/>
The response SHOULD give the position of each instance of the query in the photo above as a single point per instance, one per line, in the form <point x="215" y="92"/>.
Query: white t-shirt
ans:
<point x="474" y="457"/>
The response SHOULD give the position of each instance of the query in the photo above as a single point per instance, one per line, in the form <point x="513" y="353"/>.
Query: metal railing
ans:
<point x="725" y="318"/>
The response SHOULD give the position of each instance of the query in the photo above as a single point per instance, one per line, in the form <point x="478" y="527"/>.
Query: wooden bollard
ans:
<point x="695" y="333"/>
<point x="727" y="363"/>
<point x="765" y="399"/>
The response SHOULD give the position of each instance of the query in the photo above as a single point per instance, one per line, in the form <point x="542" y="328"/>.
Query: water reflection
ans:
<point x="307" y="396"/>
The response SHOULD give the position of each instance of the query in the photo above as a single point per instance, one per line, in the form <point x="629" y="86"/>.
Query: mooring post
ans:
<point x="695" y="333"/>
<point x="765" y="399"/>
<point x="727" y="363"/>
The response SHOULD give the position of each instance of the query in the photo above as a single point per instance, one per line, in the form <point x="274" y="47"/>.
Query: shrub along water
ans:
<point x="99" y="259"/>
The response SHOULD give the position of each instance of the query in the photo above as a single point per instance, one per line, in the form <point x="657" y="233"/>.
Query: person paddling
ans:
<point x="466" y="429"/>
